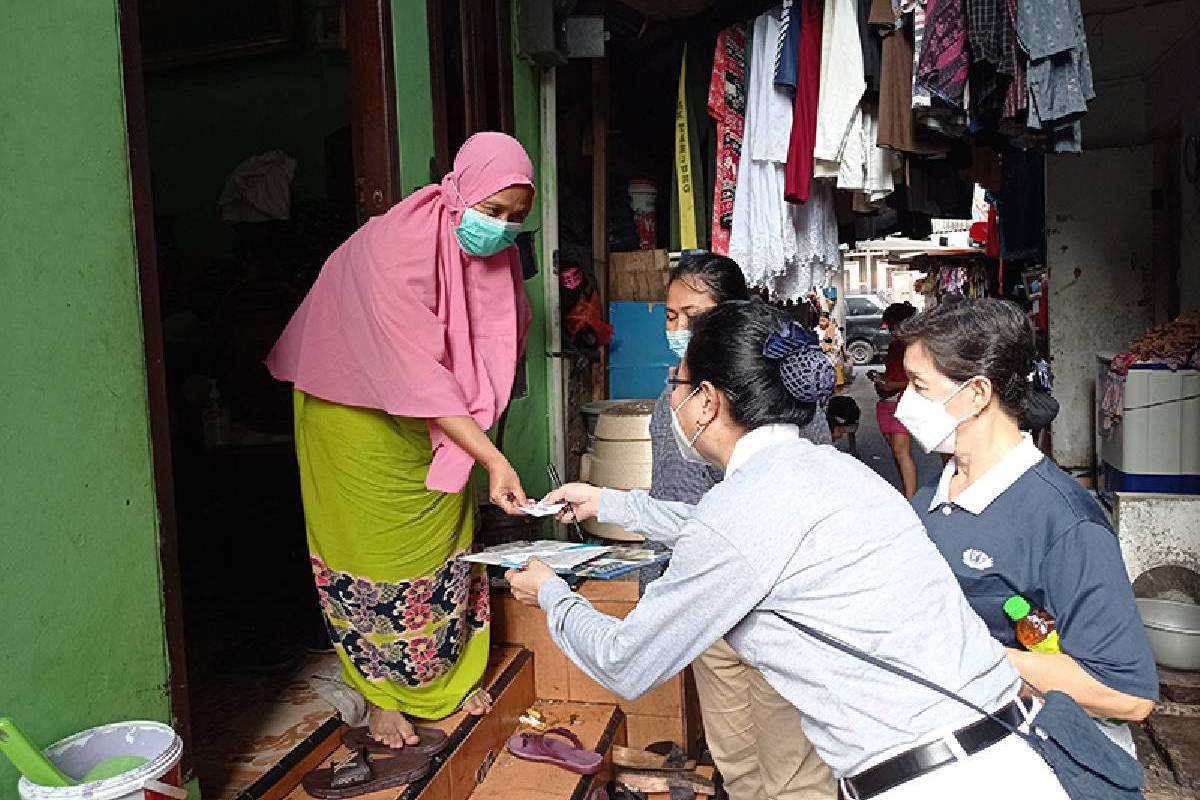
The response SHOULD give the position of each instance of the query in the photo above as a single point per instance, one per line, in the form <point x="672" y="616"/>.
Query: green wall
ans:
<point x="414" y="98"/>
<point x="527" y="435"/>
<point x="79" y="567"/>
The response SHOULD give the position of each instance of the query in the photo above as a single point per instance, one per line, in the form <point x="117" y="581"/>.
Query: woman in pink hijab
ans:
<point x="403" y="356"/>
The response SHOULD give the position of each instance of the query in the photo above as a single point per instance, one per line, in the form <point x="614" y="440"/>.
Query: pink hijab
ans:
<point x="402" y="320"/>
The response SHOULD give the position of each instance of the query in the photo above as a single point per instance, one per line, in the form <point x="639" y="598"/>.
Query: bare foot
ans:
<point x="391" y="728"/>
<point x="478" y="703"/>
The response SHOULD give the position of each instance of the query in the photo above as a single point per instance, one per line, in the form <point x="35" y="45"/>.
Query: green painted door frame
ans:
<point x="84" y="603"/>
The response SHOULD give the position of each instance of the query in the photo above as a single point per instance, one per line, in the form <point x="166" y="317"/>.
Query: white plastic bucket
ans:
<point x="643" y="196"/>
<point x="157" y="779"/>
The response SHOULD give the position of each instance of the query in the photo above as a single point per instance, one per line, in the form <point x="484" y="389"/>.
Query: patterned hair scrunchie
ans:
<point x="806" y="371"/>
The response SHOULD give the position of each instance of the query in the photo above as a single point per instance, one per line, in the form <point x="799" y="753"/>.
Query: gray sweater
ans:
<point x="815" y="534"/>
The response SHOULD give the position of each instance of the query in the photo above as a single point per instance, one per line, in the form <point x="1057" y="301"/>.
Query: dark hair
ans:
<point x="824" y="315"/>
<point x="987" y="337"/>
<point x="717" y="276"/>
<point x="726" y="350"/>
<point x="897" y="313"/>
<point x="842" y="410"/>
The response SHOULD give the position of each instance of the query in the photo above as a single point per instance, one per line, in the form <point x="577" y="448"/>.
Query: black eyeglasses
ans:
<point x="673" y="382"/>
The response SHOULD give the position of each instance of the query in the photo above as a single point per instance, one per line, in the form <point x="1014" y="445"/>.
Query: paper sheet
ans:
<point x="542" y="509"/>
<point x="559" y="556"/>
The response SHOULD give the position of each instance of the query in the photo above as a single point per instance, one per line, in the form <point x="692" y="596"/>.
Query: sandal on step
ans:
<point x="572" y="757"/>
<point x="433" y="741"/>
<point x="359" y="774"/>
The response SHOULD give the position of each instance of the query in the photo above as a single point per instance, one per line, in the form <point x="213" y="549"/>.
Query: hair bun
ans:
<point x="808" y="375"/>
<point x="805" y="370"/>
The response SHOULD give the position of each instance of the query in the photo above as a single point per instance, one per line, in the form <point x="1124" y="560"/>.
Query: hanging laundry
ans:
<point x="842" y="85"/>
<point x="896" y="127"/>
<point x="921" y="98"/>
<point x="789" y="46"/>
<point x="867" y="168"/>
<point x="763" y="239"/>
<point x="930" y="113"/>
<point x="1016" y="99"/>
<point x="684" y="174"/>
<point x="989" y="35"/>
<point x="945" y="64"/>
<point x="818" y="256"/>
<point x="808" y="93"/>
<point x="1060" y="70"/>
<point x="727" y="106"/>
<point x="781" y="247"/>
<point x="872" y="47"/>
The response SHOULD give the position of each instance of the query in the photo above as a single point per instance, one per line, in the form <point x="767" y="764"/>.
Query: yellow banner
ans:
<point x="683" y="166"/>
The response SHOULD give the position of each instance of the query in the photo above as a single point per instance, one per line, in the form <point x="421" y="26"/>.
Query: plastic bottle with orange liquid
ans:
<point x="1035" y="627"/>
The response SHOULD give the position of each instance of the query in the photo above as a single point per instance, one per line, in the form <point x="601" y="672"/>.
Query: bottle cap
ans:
<point x="1017" y="607"/>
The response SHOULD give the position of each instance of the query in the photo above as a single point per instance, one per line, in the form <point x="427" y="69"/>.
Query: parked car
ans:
<point x="866" y="336"/>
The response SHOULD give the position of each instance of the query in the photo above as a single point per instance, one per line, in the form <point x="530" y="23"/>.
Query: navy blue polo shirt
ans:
<point x="1026" y="527"/>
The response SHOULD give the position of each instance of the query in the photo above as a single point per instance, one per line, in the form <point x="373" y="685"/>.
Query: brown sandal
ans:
<point x="433" y="741"/>
<point x="359" y="774"/>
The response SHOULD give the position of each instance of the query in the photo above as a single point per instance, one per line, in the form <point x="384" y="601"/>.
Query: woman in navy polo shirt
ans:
<point x="1010" y="522"/>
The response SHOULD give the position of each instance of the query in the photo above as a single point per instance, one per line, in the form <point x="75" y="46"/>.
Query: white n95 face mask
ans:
<point x="687" y="447"/>
<point x="928" y="421"/>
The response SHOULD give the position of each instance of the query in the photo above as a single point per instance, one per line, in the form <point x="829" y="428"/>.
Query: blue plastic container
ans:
<point x="638" y="358"/>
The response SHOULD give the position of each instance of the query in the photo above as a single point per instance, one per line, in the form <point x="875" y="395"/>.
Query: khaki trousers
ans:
<point x="754" y="734"/>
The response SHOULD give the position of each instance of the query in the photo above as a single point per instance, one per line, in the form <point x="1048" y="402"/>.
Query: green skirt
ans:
<point x="409" y="621"/>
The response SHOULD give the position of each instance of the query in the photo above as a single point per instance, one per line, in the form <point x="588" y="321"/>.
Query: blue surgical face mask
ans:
<point x="678" y="342"/>
<point x="481" y="235"/>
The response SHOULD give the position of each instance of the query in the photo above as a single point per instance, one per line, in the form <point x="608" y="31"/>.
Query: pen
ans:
<point x="556" y="482"/>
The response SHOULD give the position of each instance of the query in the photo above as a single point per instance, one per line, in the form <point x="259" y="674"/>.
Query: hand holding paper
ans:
<point x="584" y="498"/>
<point x="527" y="581"/>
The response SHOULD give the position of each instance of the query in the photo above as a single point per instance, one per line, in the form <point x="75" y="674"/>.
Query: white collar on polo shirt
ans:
<point x="756" y="440"/>
<point x="991" y="484"/>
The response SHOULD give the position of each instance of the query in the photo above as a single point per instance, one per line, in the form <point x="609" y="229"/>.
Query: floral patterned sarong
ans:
<point x="409" y="621"/>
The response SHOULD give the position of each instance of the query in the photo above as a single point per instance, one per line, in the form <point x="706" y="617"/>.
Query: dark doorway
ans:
<point x="261" y="134"/>
<point x="471" y="72"/>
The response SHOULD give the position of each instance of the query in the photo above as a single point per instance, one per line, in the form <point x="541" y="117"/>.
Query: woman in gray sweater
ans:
<point x="750" y="730"/>
<point x="813" y="534"/>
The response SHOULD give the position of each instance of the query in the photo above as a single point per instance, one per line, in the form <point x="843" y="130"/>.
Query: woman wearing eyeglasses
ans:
<point x="815" y="535"/>
<point x="750" y="730"/>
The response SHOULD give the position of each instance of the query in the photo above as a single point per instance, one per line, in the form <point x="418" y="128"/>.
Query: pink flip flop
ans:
<point x="573" y="757"/>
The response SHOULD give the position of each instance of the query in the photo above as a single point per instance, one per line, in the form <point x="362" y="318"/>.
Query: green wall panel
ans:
<point x="527" y="435"/>
<point x="414" y="98"/>
<point x="80" y="590"/>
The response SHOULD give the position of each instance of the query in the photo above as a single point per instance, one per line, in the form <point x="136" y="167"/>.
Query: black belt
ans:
<point x="928" y="757"/>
